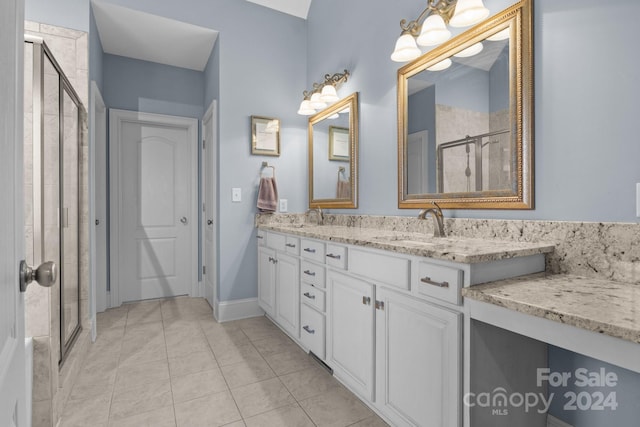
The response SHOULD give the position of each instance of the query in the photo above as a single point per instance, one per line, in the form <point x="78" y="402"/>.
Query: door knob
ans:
<point x="209" y="222"/>
<point x="46" y="274"/>
<point x="184" y="220"/>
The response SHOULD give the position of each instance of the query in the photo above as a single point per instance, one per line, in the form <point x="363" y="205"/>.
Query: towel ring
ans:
<point x="267" y="165"/>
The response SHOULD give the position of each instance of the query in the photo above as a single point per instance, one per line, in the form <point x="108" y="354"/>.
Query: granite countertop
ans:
<point x="598" y="305"/>
<point x="464" y="250"/>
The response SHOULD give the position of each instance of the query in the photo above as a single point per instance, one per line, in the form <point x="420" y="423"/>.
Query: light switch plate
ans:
<point x="236" y="195"/>
<point x="638" y="200"/>
<point x="284" y="205"/>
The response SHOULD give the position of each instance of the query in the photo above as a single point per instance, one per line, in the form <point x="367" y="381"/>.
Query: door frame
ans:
<point x="97" y="112"/>
<point x="116" y="119"/>
<point x="210" y="153"/>
<point x="14" y="401"/>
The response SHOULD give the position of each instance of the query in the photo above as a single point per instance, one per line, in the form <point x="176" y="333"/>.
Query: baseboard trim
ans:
<point x="226" y="311"/>
<point x="555" y="422"/>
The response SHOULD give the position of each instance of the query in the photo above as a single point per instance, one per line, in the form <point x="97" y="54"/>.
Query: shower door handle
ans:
<point x="46" y="274"/>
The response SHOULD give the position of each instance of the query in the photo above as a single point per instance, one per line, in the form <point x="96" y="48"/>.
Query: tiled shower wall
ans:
<point x="51" y="385"/>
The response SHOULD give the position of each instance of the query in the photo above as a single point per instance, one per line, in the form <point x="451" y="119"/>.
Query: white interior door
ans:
<point x="12" y="355"/>
<point x="154" y="166"/>
<point x="209" y="186"/>
<point x="98" y="160"/>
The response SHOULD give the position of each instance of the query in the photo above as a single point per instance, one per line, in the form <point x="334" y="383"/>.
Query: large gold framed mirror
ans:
<point x="333" y="155"/>
<point x="465" y="119"/>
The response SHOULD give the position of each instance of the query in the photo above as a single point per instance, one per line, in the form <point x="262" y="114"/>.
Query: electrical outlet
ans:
<point x="236" y="195"/>
<point x="284" y="205"/>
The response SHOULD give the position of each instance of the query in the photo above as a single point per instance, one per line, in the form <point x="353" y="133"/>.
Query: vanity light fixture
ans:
<point x="322" y="94"/>
<point x="430" y="29"/>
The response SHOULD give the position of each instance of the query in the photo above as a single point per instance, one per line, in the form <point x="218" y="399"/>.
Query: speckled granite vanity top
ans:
<point x="457" y="249"/>
<point x="599" y="305"/>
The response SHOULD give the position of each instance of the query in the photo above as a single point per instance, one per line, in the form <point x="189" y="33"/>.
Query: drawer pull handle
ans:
<point x="290" y="245"/>
<point x="428" y="281"/>
<point x="310" y="250"/>
<point x="259" y="237"/>
<point x="308" y="295"/>
<point x="308" y="329"/>
<point x="366" y="300"/>
<point x="309" y="273"/>
<point x="273" y="260"/>
<point x="333" y="256"/>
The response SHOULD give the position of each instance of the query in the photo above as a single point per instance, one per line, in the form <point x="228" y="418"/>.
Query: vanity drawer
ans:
<point x="311" y="273"/>
<point x="336" y="256"/>
<point x="311" y="295"/>
<point x="382" y="268"/>
<point x="312" y="250"/>
<point x="261" y="237"/>
<point x="439" y="281"/>
<point x="292" y="245"/>
<point x="312" y="330"/>
<point x="276" y="241"/>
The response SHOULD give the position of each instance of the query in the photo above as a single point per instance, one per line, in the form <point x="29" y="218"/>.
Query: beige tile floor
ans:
<point x="168" y="363"/>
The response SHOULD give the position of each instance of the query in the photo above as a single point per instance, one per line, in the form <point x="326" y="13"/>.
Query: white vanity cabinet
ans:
<point x="279" y="280"/>
<point x="388" y="323"/>
<point x="418" y="361"/>
<point x="267" y="280"/>
<point x="288" y="294"/>
<point x="351" y="332"/>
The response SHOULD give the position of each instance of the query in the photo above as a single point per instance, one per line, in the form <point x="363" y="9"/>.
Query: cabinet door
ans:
<point x="418" y="361"/>
<point x="288" y="294"/>
<point x="267" y="280"/>
<point x="351" y="333"/>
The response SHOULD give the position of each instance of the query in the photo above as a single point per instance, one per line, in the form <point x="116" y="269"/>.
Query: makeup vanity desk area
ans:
<point x="596" y="317"/>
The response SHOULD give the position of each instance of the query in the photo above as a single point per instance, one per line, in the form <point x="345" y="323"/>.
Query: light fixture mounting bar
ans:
<point x="333" y="80"/>
<point x="444" y="8"/>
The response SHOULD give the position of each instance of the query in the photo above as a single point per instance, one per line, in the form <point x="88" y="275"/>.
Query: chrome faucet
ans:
<point x="438" y="219"/>
<point x="319" y="215"/>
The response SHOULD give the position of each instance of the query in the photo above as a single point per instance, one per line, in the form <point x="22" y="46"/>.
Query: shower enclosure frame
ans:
<point x="40" y="51"/>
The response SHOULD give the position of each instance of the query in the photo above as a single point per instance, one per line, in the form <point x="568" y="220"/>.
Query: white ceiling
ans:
<point x="134" y="34"/>
<point x="139" y="35"/>
<point x="299" y="8"/>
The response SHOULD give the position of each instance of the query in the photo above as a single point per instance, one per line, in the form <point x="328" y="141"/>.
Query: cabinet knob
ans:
<point x="308" y="329"/>
<point x="366" y="300"/>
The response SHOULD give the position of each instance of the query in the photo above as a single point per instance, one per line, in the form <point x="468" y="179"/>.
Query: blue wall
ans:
<point x="586" y="107"/>
<point x="63" y="13"/>
<point x="585" y="102"/>
<point x="132" y="84"/>
<point x="256" y="72"/>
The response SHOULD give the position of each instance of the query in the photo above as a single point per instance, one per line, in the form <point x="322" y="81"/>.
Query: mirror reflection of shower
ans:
<point x="52" y="139"/>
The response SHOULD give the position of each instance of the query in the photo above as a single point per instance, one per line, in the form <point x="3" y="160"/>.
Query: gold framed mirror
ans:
<point x="465" y="118"/>
<point x="333" y="155"/>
